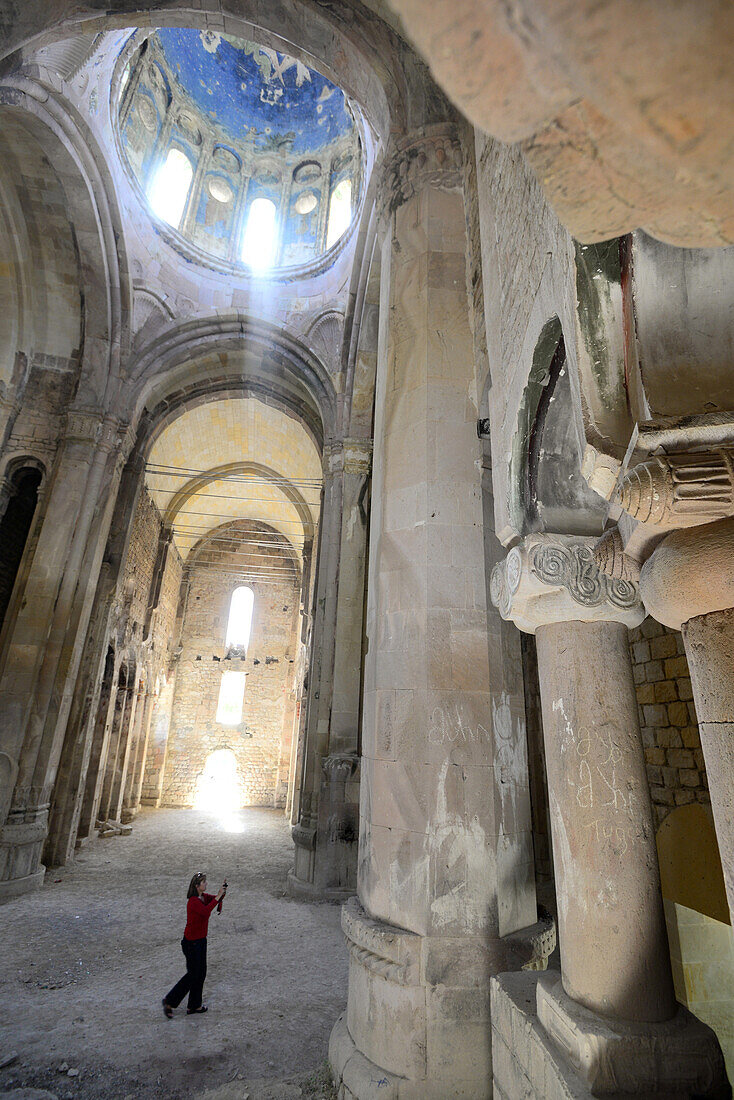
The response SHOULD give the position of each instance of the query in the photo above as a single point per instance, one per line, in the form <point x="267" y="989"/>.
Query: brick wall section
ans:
<point x="675" y="767"/>
<point x="269" y="666"/>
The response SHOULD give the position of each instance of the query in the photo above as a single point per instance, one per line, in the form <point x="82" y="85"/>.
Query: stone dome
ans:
<point x="243" y="153"/>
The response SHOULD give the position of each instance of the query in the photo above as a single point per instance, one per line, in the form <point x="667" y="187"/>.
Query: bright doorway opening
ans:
<point x="218" y="789"/>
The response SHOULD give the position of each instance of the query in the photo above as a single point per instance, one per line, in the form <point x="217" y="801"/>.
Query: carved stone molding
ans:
<point x="84" y="425"/>
<point x="96" y="428"/>
<point x="340" y="767"/>
<point x="352" y="456"/>
<point x="554" y="578"/>
<point x="609" y="555"/>
<point x="680" y="490"/>
<point x="431" y="158"/>
<point x="392" y="953"/>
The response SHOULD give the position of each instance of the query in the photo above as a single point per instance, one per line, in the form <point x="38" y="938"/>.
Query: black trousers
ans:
<point x="193" y="980"/>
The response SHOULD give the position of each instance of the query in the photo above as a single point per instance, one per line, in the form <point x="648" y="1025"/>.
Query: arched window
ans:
<point x="239" y="624"/>
<point x="340" y="211"/>
<point x="231" y="698"/>
<point x="169" y="188"/>
<point x="260" y="236"/>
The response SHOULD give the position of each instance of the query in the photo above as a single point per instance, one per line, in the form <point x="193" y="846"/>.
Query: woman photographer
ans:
<point x="199" y="908"/>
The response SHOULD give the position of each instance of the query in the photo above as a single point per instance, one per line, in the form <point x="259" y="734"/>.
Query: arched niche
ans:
<point x="18" y="500"/>
<point x="547" y="489"/>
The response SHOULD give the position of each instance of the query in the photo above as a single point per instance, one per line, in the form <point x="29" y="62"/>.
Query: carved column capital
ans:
<point x="430" y="158"/>
<point x="683" y="489"/>
<point x="84" y="425"/>
<point x="554" y="578"/>
<point x="357" y="456"/>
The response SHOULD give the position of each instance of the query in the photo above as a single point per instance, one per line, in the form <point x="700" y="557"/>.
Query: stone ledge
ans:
<point x="307" y="891"/>
<point x="528" y="1063"/>
<point x="679" y="1056"/>
<point x="14" y="887"/>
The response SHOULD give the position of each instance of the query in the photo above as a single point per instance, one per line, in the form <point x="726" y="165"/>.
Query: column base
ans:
<point x="357" y="1077"/>
<point x="14" y="887"/>
<point x="417" y="1023"/>
<point x="310" y="891"/>
<point x="545" y="1046"/>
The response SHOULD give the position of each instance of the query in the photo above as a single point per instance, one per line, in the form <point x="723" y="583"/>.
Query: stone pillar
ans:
<point x="99" y="749"/>
<point x="326" y="833"/>
<point x="45" y="650"/>
<point x="160" y="724"/>
<point x="124" y="753"/>
<point x="139" y="750"/>
<point x="613" y="1014"/>
<point x="688" y="584"/>
<point x="424" y="934"/>
<point x="113" y="760"/>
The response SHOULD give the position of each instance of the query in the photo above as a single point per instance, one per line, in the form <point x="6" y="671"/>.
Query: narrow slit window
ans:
<point x="239" y="624"/>
<point x="259" y="238"/>
<point x="340" y="212"/>
<point x="231" y="698"/>
<point x="169" y="189"/>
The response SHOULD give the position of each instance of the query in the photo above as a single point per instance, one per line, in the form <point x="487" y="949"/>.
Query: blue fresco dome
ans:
<point x="244" y="151"/>
<point x="251" y="89"/>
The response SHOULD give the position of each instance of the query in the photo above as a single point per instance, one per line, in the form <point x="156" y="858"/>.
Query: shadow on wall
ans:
<point x="697" y="915"/>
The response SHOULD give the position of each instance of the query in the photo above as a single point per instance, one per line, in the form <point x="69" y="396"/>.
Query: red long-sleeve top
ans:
<point x="198" y="911"/>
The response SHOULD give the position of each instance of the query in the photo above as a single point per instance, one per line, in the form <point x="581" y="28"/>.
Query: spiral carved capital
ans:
<point x="556" y="578"/>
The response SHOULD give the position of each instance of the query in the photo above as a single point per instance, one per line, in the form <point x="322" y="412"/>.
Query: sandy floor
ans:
<point x="85" y="961"/>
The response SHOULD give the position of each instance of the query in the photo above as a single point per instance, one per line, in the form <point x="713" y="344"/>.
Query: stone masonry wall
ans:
<point x="141" y="558"/>
<point x="675" y="766"/>
<point x="269" y="666"/>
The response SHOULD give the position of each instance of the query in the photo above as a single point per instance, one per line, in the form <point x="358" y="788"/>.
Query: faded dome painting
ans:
<point x="250" y="155"/>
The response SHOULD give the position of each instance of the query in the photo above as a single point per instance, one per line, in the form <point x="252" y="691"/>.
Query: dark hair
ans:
<point x="198" y="877"/>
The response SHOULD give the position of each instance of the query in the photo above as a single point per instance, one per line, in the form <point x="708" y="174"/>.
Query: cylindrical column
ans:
<point x="709" y="643"/>
<point x="444" y="861"/>
<point x="614" y="950"/>
<point x="688" y="583"/>
<point x="613" y="1016"/>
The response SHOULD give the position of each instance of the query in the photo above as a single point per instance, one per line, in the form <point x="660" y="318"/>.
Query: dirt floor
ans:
<point x="86" y="960"/>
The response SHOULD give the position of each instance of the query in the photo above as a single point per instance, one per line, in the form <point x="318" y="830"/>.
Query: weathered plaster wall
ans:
<point x="269" y="667"/>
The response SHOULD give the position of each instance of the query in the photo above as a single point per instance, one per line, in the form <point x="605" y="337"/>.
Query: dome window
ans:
<point x="340" y="212"/>
<point x="260" y="236"/>
<point x="170" y="186"/>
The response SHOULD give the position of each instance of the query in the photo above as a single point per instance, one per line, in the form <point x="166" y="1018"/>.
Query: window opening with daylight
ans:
<point x="259" y="238"/>
<point x="340" y="212"/>
<point x="169" y="189"/>
<point x="239" y="624"/>
<point x="231" y="698"/>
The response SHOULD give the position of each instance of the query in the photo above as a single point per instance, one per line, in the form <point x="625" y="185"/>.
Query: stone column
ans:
<point x="614" y="1012"/>
<point x="124" y="753"/>
<point x="98" y="751"/>
<point x="326" y="834"/>
<point x="133" y="787"/>
<point x="424" y="934"/>
<point x="160" y="724"/>
<point x="111" y="765"/>
<point x="688" y="584"/>
<point x="45" y="650"/>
